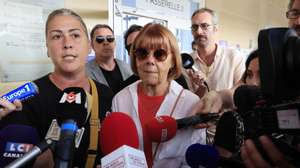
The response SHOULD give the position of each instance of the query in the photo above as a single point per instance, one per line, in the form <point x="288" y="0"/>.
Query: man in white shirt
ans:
<point x="220" y="67"/>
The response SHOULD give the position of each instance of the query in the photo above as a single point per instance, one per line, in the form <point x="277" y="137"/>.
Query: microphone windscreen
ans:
<point x="15" y="141"/>
<point x="72" y="105"/>
<point x="118" y="129"/>
<point x="246" y="97"/>
<point x="204" y="155"/>
<point x="161" y="128"/>
<point x="187" y="61"/>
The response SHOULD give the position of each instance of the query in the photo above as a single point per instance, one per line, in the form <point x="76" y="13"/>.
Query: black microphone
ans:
<point x="246" y="97"/>
<point x="72" y="112"/>
<point x="72" y="105"/>
<point x="196" y="119"/>
<point x="188" y="63"/>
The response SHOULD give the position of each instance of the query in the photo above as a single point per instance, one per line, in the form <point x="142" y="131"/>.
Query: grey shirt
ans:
<point x="94" y="71"/>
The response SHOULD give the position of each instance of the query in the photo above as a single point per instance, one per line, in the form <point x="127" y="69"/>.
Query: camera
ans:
<point x="279" y="62"/>
<point x="274" y="106"/>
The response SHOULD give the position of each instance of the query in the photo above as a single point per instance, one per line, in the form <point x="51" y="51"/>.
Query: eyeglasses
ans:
<point x="101" y="39"/>
<point x="204" y="26"/>
<point x="292" y="14"/>
<point x="128" y="48"/>
<point x="159" y="54"/>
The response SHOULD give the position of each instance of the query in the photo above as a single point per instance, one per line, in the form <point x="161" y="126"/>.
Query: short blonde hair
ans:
<point x="154" y="36"/>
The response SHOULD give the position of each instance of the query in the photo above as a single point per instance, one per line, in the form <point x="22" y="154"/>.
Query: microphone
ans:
<point x="73" y="112"/>
<point x="22" y="93"/>
<point x="118" y="129"/>
<point x="207" y="156"/>
<point x="202" y="155"/>
<point x="163" y="128"/>
<point x="188" y="61"/>
<point x="15" y="141"/>
<point x="246" y="97"/>
<point x="64" y="150"/>
<point x="119" y="142"/>
<point x="34" y="152"/>
<point x="72" y="105"/>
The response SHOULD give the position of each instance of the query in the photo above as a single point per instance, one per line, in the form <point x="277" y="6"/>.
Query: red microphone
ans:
<point x="161" y="128"/>
<point x="118" y="129"/>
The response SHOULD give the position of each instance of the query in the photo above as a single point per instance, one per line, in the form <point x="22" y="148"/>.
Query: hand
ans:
<point x="253" y="159"/>
<point x="45" y="160"/>
<point x="8" y="107"/>
<point x="210" y="103"/>
<point x="201" y="90"/>
<point x="197" y="78"/>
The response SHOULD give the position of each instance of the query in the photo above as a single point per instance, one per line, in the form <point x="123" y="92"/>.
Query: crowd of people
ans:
<point x="155" y="84"/>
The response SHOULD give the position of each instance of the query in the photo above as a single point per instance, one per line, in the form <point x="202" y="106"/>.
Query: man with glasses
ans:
<point x="105" y="68"/>
<point x="220" y="67"/>
<point x="293" y="14"/>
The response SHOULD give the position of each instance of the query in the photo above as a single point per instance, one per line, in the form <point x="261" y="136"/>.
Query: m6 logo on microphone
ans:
<point x="71" y="97"/>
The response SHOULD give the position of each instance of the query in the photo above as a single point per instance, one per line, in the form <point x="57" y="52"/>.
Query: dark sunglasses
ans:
<point x="128" y="48"/>
<point x="159" y="54"/>
<point x="101" y="39"/>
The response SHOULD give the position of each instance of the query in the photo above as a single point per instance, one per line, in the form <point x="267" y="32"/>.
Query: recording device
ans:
<point x="22" y="93"/>
<point x="261" y="118"/>
<point x="65" y="147"/>
<point x="279" y="61"/>
<point x="202" y="155"/>
<point x="15" y="141"/>
<point x="124" y="157"/>
<point x="275" y="105"/>
<point x="188" y="62"/>
<point x="33" y="153"/>
<point x="119" y="142"/>
<point x="72" y="114"/>
<point x="163" y="128"/>
<point x="72" y="105"/>
<point x="118" y="129"/>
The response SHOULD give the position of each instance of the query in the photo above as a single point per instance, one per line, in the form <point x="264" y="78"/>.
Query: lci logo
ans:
<point x="16" y="150"/>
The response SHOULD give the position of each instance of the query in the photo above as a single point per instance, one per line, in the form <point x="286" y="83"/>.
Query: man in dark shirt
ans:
<point x="105" y="68"/>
